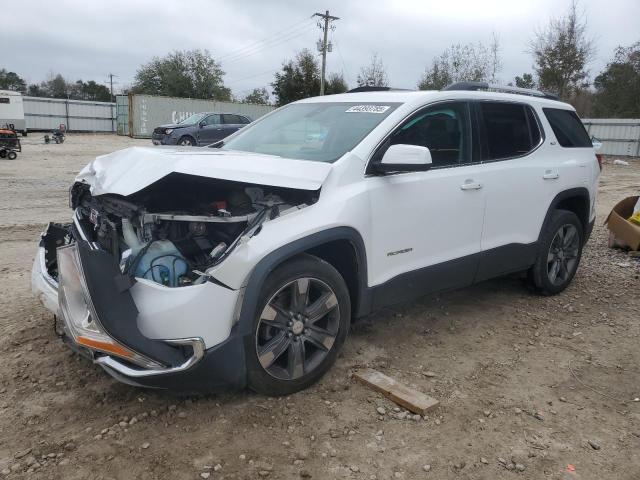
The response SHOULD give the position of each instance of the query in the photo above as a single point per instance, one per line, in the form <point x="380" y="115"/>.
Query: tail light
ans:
<point x="599" y="158"/>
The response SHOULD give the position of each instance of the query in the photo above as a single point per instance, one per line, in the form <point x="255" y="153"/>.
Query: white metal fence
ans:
<point x="78" y="115"/>
<point x="619" y="136"/>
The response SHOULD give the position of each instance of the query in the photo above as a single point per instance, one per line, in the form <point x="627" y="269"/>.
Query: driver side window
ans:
<point x="212" y="120"/>
<point x="445" y="129"/>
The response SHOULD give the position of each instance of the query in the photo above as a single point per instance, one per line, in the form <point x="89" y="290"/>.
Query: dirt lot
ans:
<point x="523" y="381"/>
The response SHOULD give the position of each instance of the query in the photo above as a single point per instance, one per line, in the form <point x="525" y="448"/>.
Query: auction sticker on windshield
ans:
<point x="368" y="109"/>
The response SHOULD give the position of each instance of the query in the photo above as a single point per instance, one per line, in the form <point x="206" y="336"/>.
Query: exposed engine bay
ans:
<point x="175" y="229"/>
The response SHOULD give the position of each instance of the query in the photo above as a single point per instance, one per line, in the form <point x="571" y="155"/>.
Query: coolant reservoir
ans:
<point x="162" y="263"/>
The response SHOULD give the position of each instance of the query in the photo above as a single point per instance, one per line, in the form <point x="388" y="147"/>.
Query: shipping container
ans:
<point x="77" y="115"/>
<point x="619" y="136"/>
<point x="145" y="112"/>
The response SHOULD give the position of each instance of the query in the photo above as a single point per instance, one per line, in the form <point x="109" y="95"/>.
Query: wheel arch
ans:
<point x="576" y="200"/>
<point x="190" y="135"/>
<point x="342" y="247"/>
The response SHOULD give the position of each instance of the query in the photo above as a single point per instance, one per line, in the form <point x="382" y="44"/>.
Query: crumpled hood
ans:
<point x="175" y="125"/>
<point x="127" y="171"/>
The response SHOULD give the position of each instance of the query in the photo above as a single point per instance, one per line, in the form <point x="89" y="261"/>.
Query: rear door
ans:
<point x="231" y="123"/>
<point x="519" y="174"/>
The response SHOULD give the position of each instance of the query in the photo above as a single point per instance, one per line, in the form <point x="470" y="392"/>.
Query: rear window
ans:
<point x="567" y="128"/>
<point x="511" y="130"/>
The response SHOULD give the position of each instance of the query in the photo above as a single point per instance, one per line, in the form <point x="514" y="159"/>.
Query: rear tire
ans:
<point x="301" y="322"/>
<point x="12" y="155"/>
<point x="559" y="253"/>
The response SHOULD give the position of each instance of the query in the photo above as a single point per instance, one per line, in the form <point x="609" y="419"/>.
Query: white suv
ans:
<point x="243" y="263"/>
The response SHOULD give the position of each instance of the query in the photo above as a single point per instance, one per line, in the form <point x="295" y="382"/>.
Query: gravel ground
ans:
<point x="529" y="387"/>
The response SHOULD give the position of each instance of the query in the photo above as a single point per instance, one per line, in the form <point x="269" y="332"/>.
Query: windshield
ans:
<point x="193" y="119"/>
<point x="311" y="131"/>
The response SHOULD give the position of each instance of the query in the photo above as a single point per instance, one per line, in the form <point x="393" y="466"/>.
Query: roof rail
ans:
<point x="475" y="86"/>
<point x="377" y="89"/>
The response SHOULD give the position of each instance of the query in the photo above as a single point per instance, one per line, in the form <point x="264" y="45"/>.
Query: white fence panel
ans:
<point x="77" y="115"/>
<point x="619" y="136"/>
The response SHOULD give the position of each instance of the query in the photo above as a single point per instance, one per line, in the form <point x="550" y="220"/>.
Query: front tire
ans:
<point x="559" y="253"/>
<point x="301" y="323"/>
<point x="187" y="141"/>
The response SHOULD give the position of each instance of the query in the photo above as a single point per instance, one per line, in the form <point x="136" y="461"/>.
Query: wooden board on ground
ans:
<point x="412" y="400"/>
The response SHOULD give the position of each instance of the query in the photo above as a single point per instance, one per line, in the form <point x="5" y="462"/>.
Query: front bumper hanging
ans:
<point x="99" y="319"/>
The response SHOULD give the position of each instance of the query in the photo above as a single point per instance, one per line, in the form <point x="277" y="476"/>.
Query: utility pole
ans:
<point x="111" y="75"/>
<point x="324" y="26"/>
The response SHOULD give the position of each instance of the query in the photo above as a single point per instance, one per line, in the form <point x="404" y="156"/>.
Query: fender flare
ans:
<point x="581" y="192"/>
<point x="271" y="261"/>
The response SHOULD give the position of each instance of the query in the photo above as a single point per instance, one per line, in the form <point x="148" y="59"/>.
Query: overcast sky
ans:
<point x="251" y="38"/>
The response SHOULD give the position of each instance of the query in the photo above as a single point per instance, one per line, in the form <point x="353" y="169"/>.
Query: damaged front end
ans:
<point x="131" y="279"/>
<point x="176" y="229"/>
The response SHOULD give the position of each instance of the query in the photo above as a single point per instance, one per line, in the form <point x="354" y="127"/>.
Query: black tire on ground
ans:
<point x="24" y="133"/>
<point x="12" y="155"/>
<point x="187" y="141"/>
<point x="297" y="330"/>
<point x="559" y="253"/>
<point x="3" y="154"/>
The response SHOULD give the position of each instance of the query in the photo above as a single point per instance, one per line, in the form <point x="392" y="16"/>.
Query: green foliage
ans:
<point x="12" y="81"/>
<point x="57" y="87"/>
<point x="561" y="53"/>
<point x="190" y="73"/>
<point x="525" y="81"/>
<point x="335" y="84"/>
<point x="618" y="86"/>
<point x="374" y="74"/>
<point x="258" y="96"/>
<point x="299" y="78"/>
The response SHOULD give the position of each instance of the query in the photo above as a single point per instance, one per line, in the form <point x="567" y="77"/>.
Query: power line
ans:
<point x="261" y="48"/>
<point x="253" y="76"/>
<point x="253" y="45"/>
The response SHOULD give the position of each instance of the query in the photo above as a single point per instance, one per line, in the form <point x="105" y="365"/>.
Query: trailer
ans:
<point x="12" y="111"/>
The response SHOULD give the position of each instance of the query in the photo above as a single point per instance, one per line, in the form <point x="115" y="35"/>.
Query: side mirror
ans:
<point x="597" y="144"/>
<point x="201" y="124"/>
<point x="404" y="158"/>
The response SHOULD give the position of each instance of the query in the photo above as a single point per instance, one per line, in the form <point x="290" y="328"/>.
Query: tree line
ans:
<point x="561" y="53"/>
<point x="56" y="86"/>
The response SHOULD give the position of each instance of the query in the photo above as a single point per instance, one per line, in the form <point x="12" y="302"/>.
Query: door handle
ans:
<point x="550" y="175"/>
<point x="470" y="185"/>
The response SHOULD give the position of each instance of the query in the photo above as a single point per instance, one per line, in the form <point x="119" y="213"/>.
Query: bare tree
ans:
<point x="374" y="74"/>
<point x="562" y="52"/>
<point x="460" y="63"/>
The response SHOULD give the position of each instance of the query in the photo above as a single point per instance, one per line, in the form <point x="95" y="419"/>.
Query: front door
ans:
<point x="210" y="129"/>
<point x="427" y="226"/>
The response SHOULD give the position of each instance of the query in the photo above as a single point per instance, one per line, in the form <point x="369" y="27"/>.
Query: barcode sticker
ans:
<point x="368" y="109"/>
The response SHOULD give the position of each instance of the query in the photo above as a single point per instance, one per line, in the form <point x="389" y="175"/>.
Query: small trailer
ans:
<point x="12" y="111"/>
